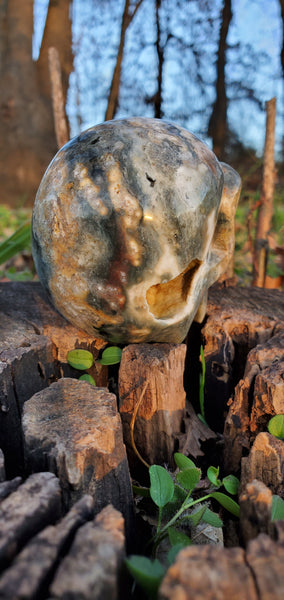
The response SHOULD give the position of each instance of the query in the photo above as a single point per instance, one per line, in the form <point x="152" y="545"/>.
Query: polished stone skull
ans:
<point x="132" y="222"/>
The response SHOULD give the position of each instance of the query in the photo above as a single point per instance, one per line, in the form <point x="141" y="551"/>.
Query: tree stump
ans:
<point x="211" y="572"/>
<point x="151" y="381"/>
<point x="35" y="504"/>
<point x="238" y="319"/>
<point x="35" y="340"/>
<point x="73" y="429"/>
<point x="33" y="567"/>
<point x="255" y="510"/>
<point x="91" y="569"/>
<point x="257" y="397"/>
<point x="265" y="463"/>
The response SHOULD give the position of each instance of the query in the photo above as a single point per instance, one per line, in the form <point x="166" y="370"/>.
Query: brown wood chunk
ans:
<point x="156" y="371"/>
<point x="207" y="573"/>
<point x="265" y="463"/>
<point x="256" y="398"/>
<point x="27" y="577"/>
<point x="35" y="504"/>
<point x="255" y="510"/>
<point x="238" y="319"/>
<point x="91" y="569"/>
<point x="74" y="430"/>
<point x="265" y="558"/>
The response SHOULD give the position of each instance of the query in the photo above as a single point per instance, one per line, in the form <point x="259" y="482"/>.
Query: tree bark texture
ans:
<point x="27" y="137"/>
<point x="265" y="212"/>
<point x="218" y="126"/>
<point x="60" y="121"/>
<point x="113" y="98"/>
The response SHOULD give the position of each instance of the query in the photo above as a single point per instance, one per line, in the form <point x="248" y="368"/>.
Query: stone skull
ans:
<point x="132" y="222"/>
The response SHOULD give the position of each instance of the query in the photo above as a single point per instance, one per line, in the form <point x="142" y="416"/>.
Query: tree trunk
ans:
<point x="218" y="126"/>
<point x="266" y="207"/>
<point x="27" y="140"/>
<point x="160" y="54"/>
<point x="112" y="105"/>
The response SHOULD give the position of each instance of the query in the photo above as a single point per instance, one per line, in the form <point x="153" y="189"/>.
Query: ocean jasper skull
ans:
<point x="132" y="222"/>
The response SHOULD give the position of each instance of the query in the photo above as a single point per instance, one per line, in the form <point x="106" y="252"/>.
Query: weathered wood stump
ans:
<point x="255" y="510"/>
<point x="43" y="555"/>
<point x="243" y="337"/>
<point x="35" y="340"/>
<point x="35" y="504"/>
<point x="265" y="463"/>
<point x="257" y="397"/>
<point x="34" y="566"/>
<point x="91" y="569"/>
<point x="211" y="572"/>
<point x="73" y="429"/>
<point x="238" y="319"/>
<point x="151" y="382"/>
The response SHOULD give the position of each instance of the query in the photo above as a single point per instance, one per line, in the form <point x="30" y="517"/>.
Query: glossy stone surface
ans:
<point x="132" y="222"/>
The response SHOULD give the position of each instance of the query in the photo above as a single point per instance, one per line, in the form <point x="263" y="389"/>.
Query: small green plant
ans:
<point x="277" y="509"/>
<point x="18" y="241"/>
<point x="111" y="356"/>
<point x="82" y="360"/>
<point x="201" y="415"/>
<point x="172" y="495"/>
<point x="276" y="426"/>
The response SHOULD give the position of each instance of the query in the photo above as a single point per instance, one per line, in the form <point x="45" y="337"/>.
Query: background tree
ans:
<point x="27" y="137"/>
<point x="113" y="98"/>
<point x="218" y="123"/>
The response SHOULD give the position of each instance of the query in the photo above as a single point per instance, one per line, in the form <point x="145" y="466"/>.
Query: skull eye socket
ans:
<point x="167" y="299"/>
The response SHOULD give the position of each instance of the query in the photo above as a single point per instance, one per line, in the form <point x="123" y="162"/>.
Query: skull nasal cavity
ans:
<point x="167" y="299"/>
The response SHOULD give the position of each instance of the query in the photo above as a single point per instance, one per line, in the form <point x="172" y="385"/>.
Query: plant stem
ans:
<point x="183" y="507"/>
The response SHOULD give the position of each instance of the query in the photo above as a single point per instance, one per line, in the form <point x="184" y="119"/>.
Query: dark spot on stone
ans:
<point x="151" y="180"/>
<point x="95" y="141"/>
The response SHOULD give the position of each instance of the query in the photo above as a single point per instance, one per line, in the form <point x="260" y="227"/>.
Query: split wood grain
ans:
<point x="255" y="510"/>
<point x="73" y="429"/>
<point x="265" y="463"/>
<point x="35" y="504"/>
<point x="33" y="568"/>
<point x="238" y="319"/>
<point x="91" y="569"/>
<point x="156" y="372"/>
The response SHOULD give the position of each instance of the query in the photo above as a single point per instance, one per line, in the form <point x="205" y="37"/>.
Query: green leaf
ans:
<point x="202" y="384"/>
<point x="183" y="462"/>
<point x="227" y="502"/>
<point x="231" y="484"/>
<point x="111" y="356"/>
<point x="201" y="418"/>
<point x="18" y="241"/>
<point x="276" y="426"/>
<point x="212" y="474"/>
<point x="162" y="485"/>
<point x="189" y="478"/>
<point x="141" y="491"/>
<point x="277" y="509"/>
<point x="146" y="572"/>
<point x="174" y="551"/>
<point x="196" y="516"/>
<point x="178" y="537"/>
<point x="211" y="518"/>
<point x="88" y="378"/>
<point x="80" y="359"/>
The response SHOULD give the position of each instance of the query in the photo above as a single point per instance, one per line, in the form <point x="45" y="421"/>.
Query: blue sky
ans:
<point x="255" y="22"/>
